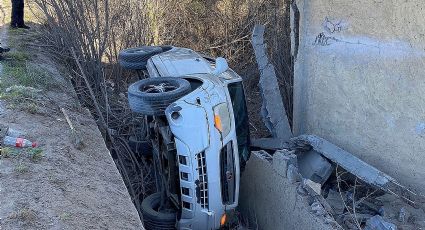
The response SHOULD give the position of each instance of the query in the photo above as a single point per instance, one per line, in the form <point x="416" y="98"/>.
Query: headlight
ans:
<point x="222" y="120"/>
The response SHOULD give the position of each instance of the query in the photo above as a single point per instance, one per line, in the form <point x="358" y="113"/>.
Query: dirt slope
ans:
<point x="56" y="186"/>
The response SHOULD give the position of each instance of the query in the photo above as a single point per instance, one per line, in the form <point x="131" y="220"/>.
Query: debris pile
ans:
<point x="341" y="193"/>
<point x="359" y="205"/>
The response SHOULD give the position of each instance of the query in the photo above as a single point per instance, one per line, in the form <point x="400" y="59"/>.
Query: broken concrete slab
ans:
<point x="281" y="161"/>
<point x="345" y="159"/>
<point x="312" y="187"/>
<point x="318" y="209"/>
<point x="272" y="110"/>
<point x="315" y="167"/>
<point x="293" y="174"/>
<point x="354" y="165"/>
<point x="263" y="155"/>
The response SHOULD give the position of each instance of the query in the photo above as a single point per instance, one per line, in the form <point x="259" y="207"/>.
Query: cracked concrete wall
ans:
<point x="271" y="201"/>
<point x="360" y="80"/>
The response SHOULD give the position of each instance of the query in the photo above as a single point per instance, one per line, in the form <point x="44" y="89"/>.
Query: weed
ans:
<point x="31" y="108"/>
<point x="21" y="168"/>
<point x="27" y="74"/>
<point x="25" y="214"/>
<point x="65" y="216"/>
<point x="7" y="152"/>
<point x="22" y="79"/>
<point x="35" y="154"/>
<point x="22" y="97"/>
<point x="17" y="56"/>
<point x="20" y="90"/>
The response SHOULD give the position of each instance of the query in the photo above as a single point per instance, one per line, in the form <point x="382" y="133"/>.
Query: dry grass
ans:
<point x="7" y="152"/>
<point x="24" y="214"/>
<point x="21" y="168"/>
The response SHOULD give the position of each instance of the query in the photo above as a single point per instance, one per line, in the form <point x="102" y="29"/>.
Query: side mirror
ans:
<point x="221" y="66"/>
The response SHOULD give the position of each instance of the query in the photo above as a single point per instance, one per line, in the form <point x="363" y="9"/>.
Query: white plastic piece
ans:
<point x="221" y="66"/>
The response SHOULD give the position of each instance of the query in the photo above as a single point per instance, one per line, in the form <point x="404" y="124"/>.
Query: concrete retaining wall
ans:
<point x="360" y="80"/>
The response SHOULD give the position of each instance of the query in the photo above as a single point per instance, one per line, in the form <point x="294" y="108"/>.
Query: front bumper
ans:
<point x="198" y="146"/>
<point x="202" y="206"/>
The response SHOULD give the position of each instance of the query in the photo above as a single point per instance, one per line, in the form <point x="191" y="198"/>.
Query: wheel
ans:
<point x="136" y="58"/>
<point x="155" y="219"/>
<point x="152" y="96"/>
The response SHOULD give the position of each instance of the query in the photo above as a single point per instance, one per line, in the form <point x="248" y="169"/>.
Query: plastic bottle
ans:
<point x="18" y="142"/>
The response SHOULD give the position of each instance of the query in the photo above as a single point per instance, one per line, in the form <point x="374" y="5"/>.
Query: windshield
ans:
<point x="240" y="111"/>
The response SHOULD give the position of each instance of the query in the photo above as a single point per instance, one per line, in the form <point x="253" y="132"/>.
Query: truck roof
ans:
<point x="181" y="61"/>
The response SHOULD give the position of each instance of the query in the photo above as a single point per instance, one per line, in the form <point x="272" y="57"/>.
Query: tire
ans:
<point x="156" y="220"/>
<point x="136" y="58"/>
<point x="154" y="103"/>
<point x="140" y="147"/>
<point x="133" y="65"/>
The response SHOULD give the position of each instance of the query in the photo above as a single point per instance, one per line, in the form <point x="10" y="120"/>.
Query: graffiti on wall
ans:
<point x="330" y="27"/>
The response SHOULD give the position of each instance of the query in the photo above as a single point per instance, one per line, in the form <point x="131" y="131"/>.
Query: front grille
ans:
<point x="227" y="174"/>
<point x="202" y="183"/>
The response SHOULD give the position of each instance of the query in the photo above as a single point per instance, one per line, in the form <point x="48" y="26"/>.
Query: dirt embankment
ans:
<point x="55" y="186"/>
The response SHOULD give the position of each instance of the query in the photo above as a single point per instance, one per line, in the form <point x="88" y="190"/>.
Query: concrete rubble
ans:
<point x="378" y="223"/>
<point x="342" y="201"/>
<point x="354" y="165"/>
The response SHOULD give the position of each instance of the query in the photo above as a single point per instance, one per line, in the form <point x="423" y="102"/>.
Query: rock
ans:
<point x="403" y="215"/>
<point x="350" y="225"/>
<point x="312" y="187"/>
<point x="282" y="159"/>
<point x="301" y="190"/>
<point x="392" y="209"/>
<point x="330" y="220"/>
<point x="334" y="199"/>
<point x="293" y="175"/>
<point x="378" y="223"/>
<point x="318" y="209"/>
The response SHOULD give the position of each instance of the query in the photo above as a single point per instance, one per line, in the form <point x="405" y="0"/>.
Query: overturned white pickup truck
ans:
<point x="198" y="125"/>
